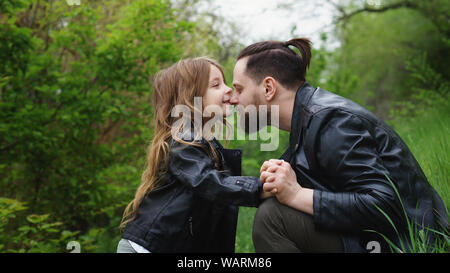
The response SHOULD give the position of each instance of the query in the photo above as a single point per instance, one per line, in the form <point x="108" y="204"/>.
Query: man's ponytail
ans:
<point x="304" y="46"/>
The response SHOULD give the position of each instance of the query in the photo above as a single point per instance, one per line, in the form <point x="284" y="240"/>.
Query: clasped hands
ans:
<point x="280" y="180"/>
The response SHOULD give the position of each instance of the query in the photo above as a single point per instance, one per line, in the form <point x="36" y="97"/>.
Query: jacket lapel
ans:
<point x="300" y="118"/>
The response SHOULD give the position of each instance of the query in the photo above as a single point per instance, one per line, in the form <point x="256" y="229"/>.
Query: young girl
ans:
<point x="191" y="188"/>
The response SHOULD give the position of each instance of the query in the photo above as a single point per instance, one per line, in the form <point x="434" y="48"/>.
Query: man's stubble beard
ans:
<point x="244" y="123"/>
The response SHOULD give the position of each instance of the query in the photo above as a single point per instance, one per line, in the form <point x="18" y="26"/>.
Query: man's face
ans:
<point x="246" y="91"/>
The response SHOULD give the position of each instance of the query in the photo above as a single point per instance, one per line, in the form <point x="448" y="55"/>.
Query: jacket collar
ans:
<point x="191" y="136"/>
<point x="299" y="114"/>
<point x="216" y="144"/>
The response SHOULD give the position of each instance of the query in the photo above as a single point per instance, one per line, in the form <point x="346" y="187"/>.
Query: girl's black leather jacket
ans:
<point x="196" y="209"/>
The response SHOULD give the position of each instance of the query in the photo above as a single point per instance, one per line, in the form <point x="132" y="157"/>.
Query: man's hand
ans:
<point x="266" y="194"/>
<point x="279" y="178"/>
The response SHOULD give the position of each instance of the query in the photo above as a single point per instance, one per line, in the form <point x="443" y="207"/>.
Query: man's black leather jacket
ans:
<point x="196" y="209"/>
<point x="346" y="154"/>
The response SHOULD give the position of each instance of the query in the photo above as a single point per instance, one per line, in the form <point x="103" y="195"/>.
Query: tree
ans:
<point x="75" y="98"/>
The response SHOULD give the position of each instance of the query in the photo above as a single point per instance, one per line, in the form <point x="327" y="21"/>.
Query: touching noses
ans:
<point x="234" y="100"/>
<point x="228" y="90"/>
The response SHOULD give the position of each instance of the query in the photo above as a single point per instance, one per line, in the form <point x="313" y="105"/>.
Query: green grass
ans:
<point x="244" y="242"/>
<point x="417" y="237"/>
<point x="428" y="138"/>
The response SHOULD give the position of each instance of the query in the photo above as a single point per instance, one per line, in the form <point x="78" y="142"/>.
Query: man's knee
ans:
<point x="265" y="218"/>
<point x="269" y="231"/>
<point x="265" y="211"/>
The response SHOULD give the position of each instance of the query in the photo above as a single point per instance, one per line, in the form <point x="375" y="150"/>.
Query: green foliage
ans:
<point x="9" y="6"/>
<point x="75" y="103"/>
<point x="426" y="129"/>
<point x="74" y="111"/>
<point x="244" y="241"/>
<point x="418" y="238"/>
<point x="328" y="72"/>
<point x="38" y="233"/>
<point x="213" y="35"/>
<point x="427" y="136"/>
<point x="8" y="211"/>
<point x="377" y="46"/>
<point x="428" y="89"/>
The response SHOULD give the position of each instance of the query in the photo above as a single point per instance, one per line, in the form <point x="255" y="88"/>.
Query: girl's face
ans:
<point x="218" y="93"/>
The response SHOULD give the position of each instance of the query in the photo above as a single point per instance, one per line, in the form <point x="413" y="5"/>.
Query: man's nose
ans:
<point x="234" y="100"/>
<point x="228" y="91"/>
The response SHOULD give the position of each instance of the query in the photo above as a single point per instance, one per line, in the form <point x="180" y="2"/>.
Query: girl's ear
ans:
<point x="270" y="88"/>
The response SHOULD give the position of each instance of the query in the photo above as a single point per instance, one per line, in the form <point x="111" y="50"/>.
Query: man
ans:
<point x="339" y="176"/>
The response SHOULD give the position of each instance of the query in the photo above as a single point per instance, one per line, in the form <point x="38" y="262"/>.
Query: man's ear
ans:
<point x="270" y="88"/>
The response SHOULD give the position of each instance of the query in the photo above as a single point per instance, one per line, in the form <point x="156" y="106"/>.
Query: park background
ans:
<point x="75" y="92"/>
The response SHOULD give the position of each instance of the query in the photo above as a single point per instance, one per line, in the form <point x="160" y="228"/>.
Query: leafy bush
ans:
<point x="429" y="88"/>
<point x="37" y="234"/>
<point x="75" y="95"/>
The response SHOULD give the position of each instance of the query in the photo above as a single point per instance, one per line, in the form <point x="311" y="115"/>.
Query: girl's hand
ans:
<point x="279" y="178"/>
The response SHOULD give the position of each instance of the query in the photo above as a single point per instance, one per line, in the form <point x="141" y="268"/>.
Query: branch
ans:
<point x="404" y="4"/>
<point x="33" y="19"/>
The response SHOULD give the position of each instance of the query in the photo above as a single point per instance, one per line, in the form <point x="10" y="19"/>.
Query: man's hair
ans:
<point x="276" y="59"/>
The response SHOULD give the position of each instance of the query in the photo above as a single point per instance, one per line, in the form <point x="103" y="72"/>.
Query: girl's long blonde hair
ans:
<point x="176" y="85"/>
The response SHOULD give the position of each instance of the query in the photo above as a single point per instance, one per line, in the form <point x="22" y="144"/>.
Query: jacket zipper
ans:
<point x="190" y="226"/>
